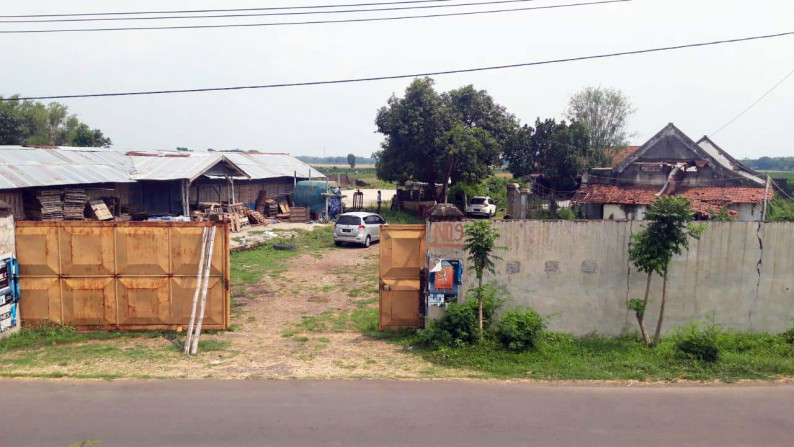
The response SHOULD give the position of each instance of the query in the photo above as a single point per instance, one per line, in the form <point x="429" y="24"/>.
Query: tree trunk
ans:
<point x="479" y="304"/>
<point x="453" y="162"/>
<point x="553" y="203"/>
<point x="661" y="311"/>
<point x="641" y="318"/>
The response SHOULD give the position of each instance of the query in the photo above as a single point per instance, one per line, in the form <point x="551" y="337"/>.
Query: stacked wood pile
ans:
<point x="74" y="200"/>
<point x="46" y="205"/>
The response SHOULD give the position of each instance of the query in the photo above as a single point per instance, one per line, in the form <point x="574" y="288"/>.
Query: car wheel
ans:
<point x="338" y="243"/>
<point x="367" y="242"/>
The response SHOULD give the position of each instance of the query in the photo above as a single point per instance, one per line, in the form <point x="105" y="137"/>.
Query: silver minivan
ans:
<point x="357" y="228"/>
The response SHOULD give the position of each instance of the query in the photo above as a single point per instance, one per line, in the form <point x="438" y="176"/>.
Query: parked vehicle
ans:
<point x="481" y="206"/>
<point x="357" y="228"/>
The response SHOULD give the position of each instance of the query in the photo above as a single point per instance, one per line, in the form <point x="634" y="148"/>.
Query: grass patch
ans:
<point x="396" y="217"/>
<point x="563" y="357"/>
<point x="51" y="334"/>
<point x="248" y="267"/>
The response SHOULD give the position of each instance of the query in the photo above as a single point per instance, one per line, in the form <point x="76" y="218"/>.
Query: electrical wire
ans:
<point x="312" y="22"/>
<point x="199" y="11"/>
<point x="754" y="103"/>
<point x="413" y="75"/>
<point x="216" y="16"/>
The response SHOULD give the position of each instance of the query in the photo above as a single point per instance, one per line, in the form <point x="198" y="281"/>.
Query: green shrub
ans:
<point x="520" y="330"/>
<point x="566" y="214"/>
<point x="788" y="336"/>
<point x="458" y="326"/>
<point x="699" y="342"/>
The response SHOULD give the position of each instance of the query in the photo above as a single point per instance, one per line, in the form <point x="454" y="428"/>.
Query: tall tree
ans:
<point x="605" y="114"/>
<point x="351" y="160"/>
<point x="433" y="138"/>
<point x="33" y="123"/>
<point x="558" y="151"/>
<point x="653" y="248"/>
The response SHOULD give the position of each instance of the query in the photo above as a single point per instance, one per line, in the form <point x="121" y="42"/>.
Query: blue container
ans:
<point x="309" y="194"/>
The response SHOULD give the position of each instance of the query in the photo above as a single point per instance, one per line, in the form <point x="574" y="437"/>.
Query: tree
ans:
<point x="433" y="138"/>
<point x="35" y="124"/>
<point x="652" y="249"/>
<point x="351" y="160"/>
<point x="480" y="243"/>
<point x="604" y="112"/>
<point x="556" y="150"/>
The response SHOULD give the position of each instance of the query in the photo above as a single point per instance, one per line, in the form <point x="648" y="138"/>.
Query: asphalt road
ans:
<point x="391" y="413"/>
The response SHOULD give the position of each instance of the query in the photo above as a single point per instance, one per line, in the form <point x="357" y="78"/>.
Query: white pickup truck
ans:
<point x="481" y="206"/>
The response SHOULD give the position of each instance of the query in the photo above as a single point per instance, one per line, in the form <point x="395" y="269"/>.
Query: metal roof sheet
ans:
<point x="180" y="167"/>
<point x="263" y="166"/>
<point x="23" y="167"/>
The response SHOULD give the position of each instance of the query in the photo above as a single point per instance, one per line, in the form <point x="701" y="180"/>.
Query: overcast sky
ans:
<point x="697" y="89"/>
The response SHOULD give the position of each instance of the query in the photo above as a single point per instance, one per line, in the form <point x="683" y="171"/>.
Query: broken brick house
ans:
<point x="672" y="164"/>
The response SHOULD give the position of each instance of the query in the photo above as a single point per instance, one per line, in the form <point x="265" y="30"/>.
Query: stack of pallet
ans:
<point x="255" y="217"/>
<point x="299" y="214"/>
<point x="74" y="200"/>
<point x="46" y="205"/>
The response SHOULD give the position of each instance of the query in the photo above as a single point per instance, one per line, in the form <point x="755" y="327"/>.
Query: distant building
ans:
<point x="672" y="164"/>
<point x="154" y="182"/>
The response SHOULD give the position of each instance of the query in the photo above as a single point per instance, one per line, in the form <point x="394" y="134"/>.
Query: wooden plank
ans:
<point x="101" y="210"/>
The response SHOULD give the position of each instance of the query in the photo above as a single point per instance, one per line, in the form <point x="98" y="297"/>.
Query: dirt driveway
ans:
<point x="303" y="319"/>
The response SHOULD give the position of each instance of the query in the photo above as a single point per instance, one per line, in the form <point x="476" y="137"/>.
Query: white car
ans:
<point x="357" y="228"/>
<point x="481" y="206"/>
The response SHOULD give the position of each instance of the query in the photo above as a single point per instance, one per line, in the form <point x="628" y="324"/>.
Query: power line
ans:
<point x="313" y="22"/>
<point x="197" y="11"/>
<point x="413" y="75"/>
<point x="754" y="104"/>
<point x="260" y="14"/>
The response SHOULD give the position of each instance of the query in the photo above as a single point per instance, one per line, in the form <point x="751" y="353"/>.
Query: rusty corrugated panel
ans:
<point x="123" y="275"/>
<point x="402" y="255"/>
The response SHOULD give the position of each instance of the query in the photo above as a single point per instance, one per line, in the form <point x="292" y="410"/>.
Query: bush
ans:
<point x="566" y="214"/>
<point x="520" y="330"/>
<point x="788" y="336"/>
<point x="699" y="343"/>
<point x="458" y="326"/>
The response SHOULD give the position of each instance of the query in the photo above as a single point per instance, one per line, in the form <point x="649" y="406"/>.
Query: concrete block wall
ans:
<point x="578" y="272"/>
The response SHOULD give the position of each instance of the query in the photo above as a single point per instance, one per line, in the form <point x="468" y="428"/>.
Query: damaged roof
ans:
<point x="705" y="200"/>
<point x="24" y="167"/>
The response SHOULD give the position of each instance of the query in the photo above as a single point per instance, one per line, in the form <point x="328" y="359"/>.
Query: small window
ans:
<point x="348" y="220"/>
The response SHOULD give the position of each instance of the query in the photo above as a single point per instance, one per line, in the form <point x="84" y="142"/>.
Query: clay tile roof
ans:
<point x="620" y="154"/>
<point x="706" y="198"/>
<point x="623" y="195"/>
<point x="724" y="195"/>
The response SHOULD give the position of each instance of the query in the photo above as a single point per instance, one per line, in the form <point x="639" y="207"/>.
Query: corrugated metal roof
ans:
<point x="263" y="166"/>
<point x="22" y="167"/>
<point x="176" y="168"/>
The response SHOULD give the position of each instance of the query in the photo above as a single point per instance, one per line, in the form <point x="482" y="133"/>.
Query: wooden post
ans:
<point x="766" y="198"/>
<point x="189" y="333"/>
<point x="208" y="263"/>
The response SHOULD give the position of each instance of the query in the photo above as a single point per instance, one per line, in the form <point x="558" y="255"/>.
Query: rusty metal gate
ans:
<point x="119" y="275"/>
<point x="402" y="255"/>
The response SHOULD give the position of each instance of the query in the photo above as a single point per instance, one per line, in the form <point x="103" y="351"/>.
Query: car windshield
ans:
<point x="348" y="220"/>
<point x="477" y="201"/>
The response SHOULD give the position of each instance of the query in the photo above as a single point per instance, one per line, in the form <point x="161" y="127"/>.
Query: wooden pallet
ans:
<point x="299" y="214"/>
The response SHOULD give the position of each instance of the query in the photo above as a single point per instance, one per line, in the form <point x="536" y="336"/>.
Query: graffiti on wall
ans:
<point x="445" y="235"/>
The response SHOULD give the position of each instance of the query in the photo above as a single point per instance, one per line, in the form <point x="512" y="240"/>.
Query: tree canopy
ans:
<point x="351" y="160"/>
<point x="558" y="151"/>
<point x="604" y="112"/>
<point x="432" y="137"/>
<point x="35" y="124"/>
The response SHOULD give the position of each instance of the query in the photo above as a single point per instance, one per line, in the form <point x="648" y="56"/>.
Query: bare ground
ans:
<point x="292" y="325"/>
